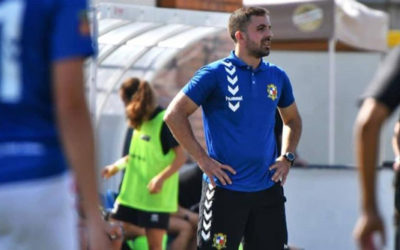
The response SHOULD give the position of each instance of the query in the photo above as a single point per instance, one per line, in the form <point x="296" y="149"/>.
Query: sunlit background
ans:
<point x="330" y="50"/>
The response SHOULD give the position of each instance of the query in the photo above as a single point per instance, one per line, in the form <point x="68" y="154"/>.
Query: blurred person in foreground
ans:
<point x="381" y="99"/>
<point x="149" y="190"/>
<point x="115" y="231"/>
<point x="45" y="127"/>
<point x="396" y="146"/>
<point x="396" y="168"/>
<point x="243" y="174"/>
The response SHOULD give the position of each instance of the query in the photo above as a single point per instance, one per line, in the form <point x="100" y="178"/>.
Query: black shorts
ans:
<point x="228" y="216"/>
<point x="140" y="218"/>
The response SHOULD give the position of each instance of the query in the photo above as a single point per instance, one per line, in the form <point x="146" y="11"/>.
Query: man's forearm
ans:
<point x="181" y="129"/>
<point x="368" y="125"/>
<point x="367" y="137"/>
<point x="291" y="135"/>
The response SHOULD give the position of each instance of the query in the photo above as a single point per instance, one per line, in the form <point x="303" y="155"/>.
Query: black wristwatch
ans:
<point x="290" y="157"/>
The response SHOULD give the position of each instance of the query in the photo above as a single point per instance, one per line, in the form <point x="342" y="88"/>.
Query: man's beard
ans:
<point x="255" y="50"/>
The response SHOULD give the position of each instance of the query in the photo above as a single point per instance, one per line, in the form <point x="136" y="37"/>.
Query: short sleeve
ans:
<point x="70" y="35"/>
<point x="385" y="86"/>
<point x="201" y="85"/>
<point x="286" y="97"/>
<point x="168" y="141"/>
<point x="127" y="141"/>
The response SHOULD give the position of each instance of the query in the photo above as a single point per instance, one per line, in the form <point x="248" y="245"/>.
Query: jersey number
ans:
<point x="10" y="32"/>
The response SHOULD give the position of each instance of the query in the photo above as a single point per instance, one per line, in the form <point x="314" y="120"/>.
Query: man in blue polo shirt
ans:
<point x="242" y="195"/>
<point x="45" y="126"/>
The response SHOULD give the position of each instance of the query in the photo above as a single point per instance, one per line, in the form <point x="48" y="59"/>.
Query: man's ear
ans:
<point x="239" y="35"/>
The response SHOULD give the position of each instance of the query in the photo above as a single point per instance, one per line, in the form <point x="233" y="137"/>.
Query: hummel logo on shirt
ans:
<point x="233" y="88"/>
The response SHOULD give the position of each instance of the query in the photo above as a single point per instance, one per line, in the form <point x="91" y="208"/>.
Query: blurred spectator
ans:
<point x="190" y="183"/>
<point x="184" y="222"/>
<point x="149" y="190"/>
<point x="183" y="228"/>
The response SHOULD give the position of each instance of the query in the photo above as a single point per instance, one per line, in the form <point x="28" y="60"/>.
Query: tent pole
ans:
<point x="93" y="66"/>
<point x="91" y="86"/>
<point x="331" y="88"/>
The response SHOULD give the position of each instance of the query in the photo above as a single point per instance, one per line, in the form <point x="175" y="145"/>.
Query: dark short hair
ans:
<point x="240" y="19"/>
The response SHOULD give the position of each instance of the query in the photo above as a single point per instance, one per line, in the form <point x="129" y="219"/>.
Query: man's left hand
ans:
<point x="281" y="167"/>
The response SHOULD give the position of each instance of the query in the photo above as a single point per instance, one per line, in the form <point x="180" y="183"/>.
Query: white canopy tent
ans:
<point x="346" y="21"/>
<point x="332" y="21"/>
<point x="144" y="42"/>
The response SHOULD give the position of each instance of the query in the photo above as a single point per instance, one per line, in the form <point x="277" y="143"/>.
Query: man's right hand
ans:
<point x="212" y="169"/>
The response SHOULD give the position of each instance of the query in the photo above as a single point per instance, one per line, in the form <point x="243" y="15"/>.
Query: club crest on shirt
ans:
<point x="272" y="91"/>
<point x="219" y="241"/>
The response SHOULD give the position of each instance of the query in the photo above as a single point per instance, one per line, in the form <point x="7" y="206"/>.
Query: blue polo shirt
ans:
<point x="239" y="106"/>
<point x="33" y="36"/>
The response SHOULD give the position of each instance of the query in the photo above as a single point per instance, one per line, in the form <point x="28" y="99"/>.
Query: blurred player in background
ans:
<point x="149" y="190"/>
<point x="381" y="99"/>
<point x="396" y="168"/>
<point x="45" y="126"/>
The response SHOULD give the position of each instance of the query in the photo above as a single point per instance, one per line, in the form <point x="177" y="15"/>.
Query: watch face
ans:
<point x="290" y="156"/>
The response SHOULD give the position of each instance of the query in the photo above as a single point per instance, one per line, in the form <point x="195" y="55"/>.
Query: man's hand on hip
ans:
<point x="281" y="167"/>
<point x="213" y="168"/>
